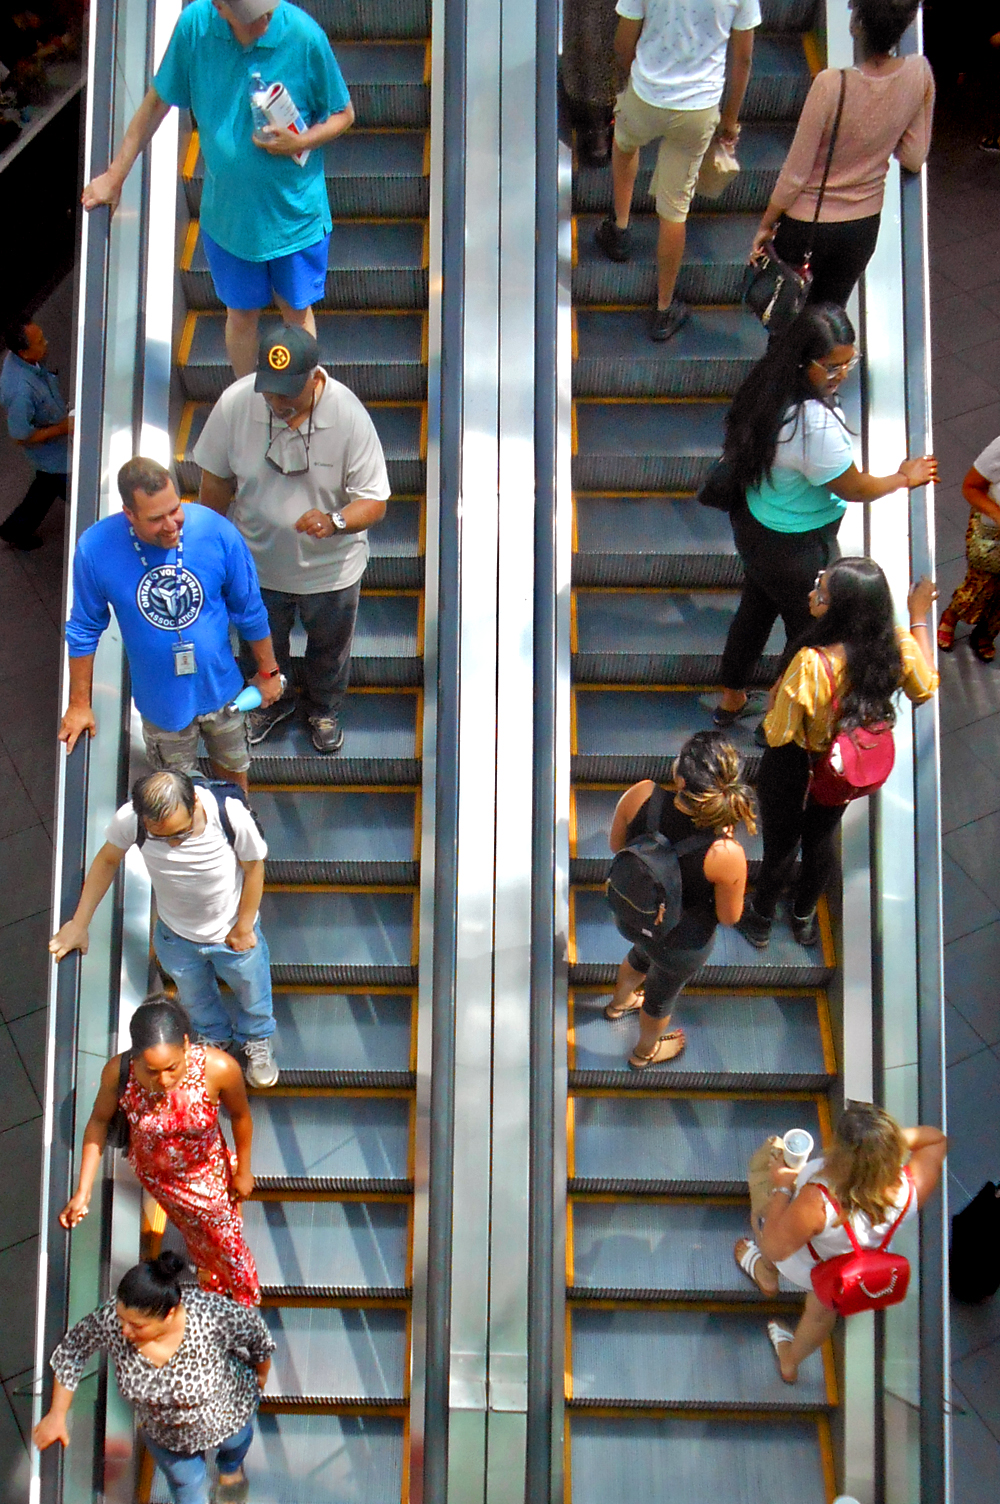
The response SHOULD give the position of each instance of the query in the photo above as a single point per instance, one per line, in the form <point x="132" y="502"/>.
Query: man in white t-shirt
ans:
<point x="294" y="458"/>
<point x="205" y="859"/>
<point x="688" y="63"/>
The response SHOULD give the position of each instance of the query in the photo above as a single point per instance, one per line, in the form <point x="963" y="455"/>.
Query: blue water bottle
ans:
<point x="249" y="697"/>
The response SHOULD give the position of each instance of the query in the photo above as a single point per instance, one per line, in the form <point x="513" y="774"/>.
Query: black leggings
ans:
<point x="666" y="975"/>
<point x="780" y="570"/>
<point x="789" y="819"/>
<point x="841" y="249"/>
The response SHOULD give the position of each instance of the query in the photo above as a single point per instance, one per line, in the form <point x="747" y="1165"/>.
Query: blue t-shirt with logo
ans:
<point x="254" y="205"/>
<point x="218" y="585"/>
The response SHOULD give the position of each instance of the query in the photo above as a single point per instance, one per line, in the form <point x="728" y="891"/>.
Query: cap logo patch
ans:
<point x="278" y="358"/>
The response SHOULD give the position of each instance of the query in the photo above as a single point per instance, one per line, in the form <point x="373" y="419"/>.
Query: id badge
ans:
<point x="184" y="658"/>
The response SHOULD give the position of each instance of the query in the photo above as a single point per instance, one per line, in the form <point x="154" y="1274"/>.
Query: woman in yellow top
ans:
<point x="871" y="660"/>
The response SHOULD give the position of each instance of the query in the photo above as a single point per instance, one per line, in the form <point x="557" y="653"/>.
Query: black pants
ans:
<point x="26" y="518"/>
<point x="788" y="819"/>
<point x="780" y="570"/>
<point x="328" y="618"/>
<point x="841" y="249"/>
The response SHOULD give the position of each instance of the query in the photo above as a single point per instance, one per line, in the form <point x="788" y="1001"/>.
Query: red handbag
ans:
<point x="867" y="1279"/>
<point x="856" y="762"/>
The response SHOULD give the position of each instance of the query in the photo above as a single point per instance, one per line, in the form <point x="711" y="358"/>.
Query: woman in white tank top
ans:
<point x="863" y="1171"/>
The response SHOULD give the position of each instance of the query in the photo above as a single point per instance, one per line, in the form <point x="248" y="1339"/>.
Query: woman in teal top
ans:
<point x="789" y="451"/>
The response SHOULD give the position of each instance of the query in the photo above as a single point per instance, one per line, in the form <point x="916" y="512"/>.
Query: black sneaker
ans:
<point x="616" y="244"/>
<point x="593" y="145"/>
<point x="806" y="931"/>
<point x="327" y="732"/>
<point x="22" y="544"/>
<point x="667" y="321"/>
<point x="754" y="927"/>
<point x="261" y="723"/>
<point x="760" y="735"/>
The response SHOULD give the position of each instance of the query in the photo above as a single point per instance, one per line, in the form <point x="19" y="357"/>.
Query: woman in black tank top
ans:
<point x="709" y="800"/>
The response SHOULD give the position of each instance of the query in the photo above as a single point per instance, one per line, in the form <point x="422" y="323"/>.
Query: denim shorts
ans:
<point x="298" y="279"/>
<point x="224" y="733"/>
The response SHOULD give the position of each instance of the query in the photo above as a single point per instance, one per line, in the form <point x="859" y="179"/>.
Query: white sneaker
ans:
<point x="261" y="1069"/>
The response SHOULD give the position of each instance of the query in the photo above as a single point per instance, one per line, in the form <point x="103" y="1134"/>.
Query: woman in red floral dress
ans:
<point x="176" y="1147"/>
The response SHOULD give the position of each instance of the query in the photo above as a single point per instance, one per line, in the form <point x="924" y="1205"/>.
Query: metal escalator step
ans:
<point x="754" y="1043"/>
<point x="658" y="637"/>
<point x="331" y="1143"/>
<point x="372" y="18"/>
<point x="337" y="1354"/>
<point x="677" y="1145"/>
<point x="301" y="1245"/>
<point x="645" y="446"/>
<point x="788" y="15"/>
<point x="762" y="151"/>
<point x="326" y="1459"/>
<point x="715" y="259"/>
<point x="597" y="950"/>
<point x="779" y="80"/>
<point x="657" y="1250"/>
<point x="711" y="355"/>
<point x="362" y="938"/>
<point x="592" y="813"/>
<point x="387" y="648"/>
<point x="396" y="558"/>
<point x="382" y="173"/>
<point x="380" y="356"/>
<point x="371" y="265"/>
<point x="381" y="745"/>
<point x="624" y="735"/>
<point x="344" y="1038"/>
<point x="389" y="83"/>
<point x="339" y="836"/>
<point x="780" y="1460"/>
<point x="638" y="540"/>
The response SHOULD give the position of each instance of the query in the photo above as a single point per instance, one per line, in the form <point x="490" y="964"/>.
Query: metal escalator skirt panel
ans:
<point x="360" y="937"/>
<point x="678" y="1144"/>
<point x="344" y="1032"/>
<point x="321" y="1246"/>
<point x="331" y="1353"/>
<point x="691" y="1461"/>
<point x="659" y="637"/>
<point x="685" y="1359"/>
<point x="331" y="1142"/>
<point x="653" y="541"/>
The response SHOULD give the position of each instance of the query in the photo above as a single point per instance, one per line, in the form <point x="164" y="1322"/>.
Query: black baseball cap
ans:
<point x="285" y="358"/>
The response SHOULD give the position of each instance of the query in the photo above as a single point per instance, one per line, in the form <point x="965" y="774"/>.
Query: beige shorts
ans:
<point x="225" y="735"/>
<point x="684" y="136"/>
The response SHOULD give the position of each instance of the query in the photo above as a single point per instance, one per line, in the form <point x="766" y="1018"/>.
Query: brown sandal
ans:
<point x="613" y="1012"/>
<point x="984" y="650"/>
<point x="657" y="1056"/>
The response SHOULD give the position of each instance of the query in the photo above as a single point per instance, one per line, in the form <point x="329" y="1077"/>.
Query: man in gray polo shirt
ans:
<point x="294" y="458"/>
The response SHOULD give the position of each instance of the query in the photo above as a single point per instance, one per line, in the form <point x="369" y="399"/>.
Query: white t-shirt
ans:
<point x="680" y="62"/>
<point x="345" y="463"/>
<point x="813" y="448"/>
<point x="198" y="883"/>
<point x="797" y="1268"/>
<point x="988" y="465"/>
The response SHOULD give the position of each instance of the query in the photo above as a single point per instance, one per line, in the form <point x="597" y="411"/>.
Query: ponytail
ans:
<point x="714" y="795"/>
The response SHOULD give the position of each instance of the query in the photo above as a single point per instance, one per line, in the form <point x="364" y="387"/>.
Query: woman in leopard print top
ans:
<point x="192" y="1363"/>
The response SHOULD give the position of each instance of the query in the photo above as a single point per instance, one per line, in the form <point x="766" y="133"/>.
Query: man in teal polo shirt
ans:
<point x="265" y="218"/>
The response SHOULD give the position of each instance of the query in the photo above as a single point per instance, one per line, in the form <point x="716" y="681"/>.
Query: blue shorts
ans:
<point x="299" y="279"/>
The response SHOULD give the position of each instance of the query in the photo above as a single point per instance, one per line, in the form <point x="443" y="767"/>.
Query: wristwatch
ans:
<point x="338" y="521"/>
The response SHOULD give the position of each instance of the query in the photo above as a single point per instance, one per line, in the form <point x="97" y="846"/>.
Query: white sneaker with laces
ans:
<point x="261" y="1069"/>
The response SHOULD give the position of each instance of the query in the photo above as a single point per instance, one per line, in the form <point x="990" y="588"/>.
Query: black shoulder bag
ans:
<point x="118" y="1128"/>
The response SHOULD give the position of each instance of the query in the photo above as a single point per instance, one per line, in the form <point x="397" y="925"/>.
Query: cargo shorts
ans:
<point x="225" y="737"/>
<point x="684" y="137"/>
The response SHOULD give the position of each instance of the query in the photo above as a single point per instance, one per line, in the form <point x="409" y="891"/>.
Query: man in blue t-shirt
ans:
<point x="176" y="577"/>
<point x="265" y="217"/>
<point x="38" y="422"/>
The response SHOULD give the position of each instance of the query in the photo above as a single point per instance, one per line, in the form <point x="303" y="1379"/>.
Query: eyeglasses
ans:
<point x="176" y="838"/>
<point x="839" y="370"/>
<point x="293" y="453"/>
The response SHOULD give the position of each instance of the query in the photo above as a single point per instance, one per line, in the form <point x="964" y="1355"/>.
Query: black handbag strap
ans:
<point x="124" y="1067"/>
<point x="829" y="160"/>
<point x="654" y="809"/>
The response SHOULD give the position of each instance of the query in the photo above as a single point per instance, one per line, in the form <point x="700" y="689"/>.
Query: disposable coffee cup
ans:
<point x="798" y="1145"/>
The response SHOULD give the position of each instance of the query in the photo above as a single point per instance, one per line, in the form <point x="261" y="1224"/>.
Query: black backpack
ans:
<point x="644" y="885"/>
<point x="974" y="1269"/>
<point x="220" y="791"/>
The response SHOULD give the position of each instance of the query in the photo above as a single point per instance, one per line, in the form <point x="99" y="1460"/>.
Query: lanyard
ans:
<point x="178" y="570"/>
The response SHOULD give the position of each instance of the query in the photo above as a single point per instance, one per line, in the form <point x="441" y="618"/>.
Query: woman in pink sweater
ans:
<point x="888" y="107"/>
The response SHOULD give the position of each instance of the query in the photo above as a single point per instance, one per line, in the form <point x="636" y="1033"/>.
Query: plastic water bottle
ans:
<point x="250" y="697"/>
<point x="280" y="109"/>
<point x="258" y="93"/>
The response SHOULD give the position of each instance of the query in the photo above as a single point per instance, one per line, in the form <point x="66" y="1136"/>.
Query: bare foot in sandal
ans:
<point x="753" y="1262"/>
<point x="781" y="1340"/>
<point x="667" y="1047"/>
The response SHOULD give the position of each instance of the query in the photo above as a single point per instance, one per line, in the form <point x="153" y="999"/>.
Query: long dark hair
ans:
<point x="860" y="615"/>
<point x="884" y="21"/>
<point x="777" y="387"/>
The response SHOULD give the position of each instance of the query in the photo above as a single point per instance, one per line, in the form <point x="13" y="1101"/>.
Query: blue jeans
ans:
<point x="186" y="1473"/>
<point x="247" y="1013"/>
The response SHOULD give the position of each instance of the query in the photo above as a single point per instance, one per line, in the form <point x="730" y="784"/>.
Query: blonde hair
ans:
<point x="714" y="795"/>
<point x="866" y="1160"/>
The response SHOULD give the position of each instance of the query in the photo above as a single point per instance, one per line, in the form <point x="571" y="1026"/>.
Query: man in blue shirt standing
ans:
<point x="176" y="577"/>
<point x="265" y="218"/>
<point x="38" y="421"/>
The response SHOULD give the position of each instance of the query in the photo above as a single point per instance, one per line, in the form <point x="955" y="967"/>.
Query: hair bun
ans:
<point x="168" y="1266"/>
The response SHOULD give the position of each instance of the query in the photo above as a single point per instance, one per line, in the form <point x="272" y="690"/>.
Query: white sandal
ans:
<point x="748" y="1261"/>
<point x="778" y="1335"/>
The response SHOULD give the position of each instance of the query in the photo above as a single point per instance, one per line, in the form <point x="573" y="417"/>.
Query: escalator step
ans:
<point x="380" y="356"/>
<point x="380" y="173"/>
<point x="597" y="949"/>
<point x="371" y="265"/>
<point x="657" y="1250"/>
<point x="712" y="354"/>
<point x="338" y="836"/>
<point x="389" y="83"/>
<point x="645" y="446"/>
<point x="326" y="1459"/>
<point x="785" y="15"/>
<point x="684" y="1145"/>
<point x="303" y="1245"/>
<point x="755" y="1043"/>
<point x="362" y="938"/>
<point x="380" y="745"/>
<point x="779" y="81"/>
<point x="337" y="1354"/>
<point x="624" y="735"/>
<point x="355" y="1034"/>
<point x="335" y="1143"/>
<point x="780" y="1461"/>
<point x="762" y="152"/>
<point x="387" y="648"/>
<point x="652" y="541"/>
<point x="396" y="560"/>
<point x="373" y="18"/>
<point x="715" y="259"/>
<point x="658" y="637"/>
